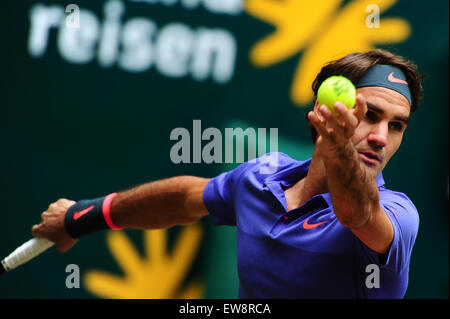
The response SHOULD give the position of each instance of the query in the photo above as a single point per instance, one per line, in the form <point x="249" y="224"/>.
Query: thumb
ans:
<point x="65" y="243"/>
<point x="36" y="231"/>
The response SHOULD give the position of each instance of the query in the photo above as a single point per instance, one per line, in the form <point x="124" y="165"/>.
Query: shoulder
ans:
<point x="264" y="166"/>
<point x="401" y="209"/>
<point x="256" y="170"/>
<point x="388" y="196"/>
<point x="404" y="218"/>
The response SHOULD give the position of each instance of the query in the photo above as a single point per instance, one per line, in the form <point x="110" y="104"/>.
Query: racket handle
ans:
<point x="24" y="253"/>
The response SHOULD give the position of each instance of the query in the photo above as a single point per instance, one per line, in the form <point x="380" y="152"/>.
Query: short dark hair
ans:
<point x="354" y="66"/>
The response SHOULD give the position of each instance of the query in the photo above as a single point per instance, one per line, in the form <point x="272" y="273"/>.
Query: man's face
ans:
<point x="380" y="133"/>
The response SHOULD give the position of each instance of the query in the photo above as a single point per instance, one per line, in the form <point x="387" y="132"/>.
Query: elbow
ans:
<point x="191" y="215"/>
<point x="354" y="220"/>
<point x="357" y="217"/>
<point x="189" y="221"/>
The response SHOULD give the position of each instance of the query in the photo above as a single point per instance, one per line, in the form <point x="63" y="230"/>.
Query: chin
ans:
<point x="375" y="170"/>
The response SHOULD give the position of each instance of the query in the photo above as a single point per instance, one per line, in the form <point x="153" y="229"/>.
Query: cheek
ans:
<point x="361" y="133"/>
<point x="394" y="144"/>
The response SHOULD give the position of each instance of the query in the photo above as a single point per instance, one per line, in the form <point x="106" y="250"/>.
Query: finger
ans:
<point x="317" y="123"/>
<point x="324" y="112"/>
<point x="341" y="115"/>
<point x="45" y="216"/>
<point x="341" y="125"/>
<point x="64" y="245"/>
<point x="315" y="110"/>
<point x="36" y="230"/>
<point x="360" y="107"/>
<point x="329" y="127"/>
<point x="346" y="117"/>
<point x="332" y="121"/>
<point x="65" y="202"/>
<point x="323" y="128"/>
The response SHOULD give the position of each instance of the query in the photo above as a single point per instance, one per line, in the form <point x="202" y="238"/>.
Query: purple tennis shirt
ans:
<point x="306" y="252"/>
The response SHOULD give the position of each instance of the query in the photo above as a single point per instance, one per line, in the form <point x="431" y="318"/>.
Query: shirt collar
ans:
<point x="292" y="174"/>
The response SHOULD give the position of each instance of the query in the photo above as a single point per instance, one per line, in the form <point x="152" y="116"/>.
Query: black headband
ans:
<point x="387" y="76"/>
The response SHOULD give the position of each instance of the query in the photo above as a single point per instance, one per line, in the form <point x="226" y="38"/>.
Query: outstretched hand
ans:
<point x="335" y="130"/>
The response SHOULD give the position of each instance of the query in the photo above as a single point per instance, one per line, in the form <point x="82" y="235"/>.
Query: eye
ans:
<point x="371" y="116"/>
<point x="396" y="126"/>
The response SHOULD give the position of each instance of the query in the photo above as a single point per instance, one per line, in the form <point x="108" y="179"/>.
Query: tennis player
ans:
<point x="313" y="228"/>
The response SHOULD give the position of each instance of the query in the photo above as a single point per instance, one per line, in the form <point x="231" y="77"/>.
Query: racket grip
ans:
<point x="24" y="253"/>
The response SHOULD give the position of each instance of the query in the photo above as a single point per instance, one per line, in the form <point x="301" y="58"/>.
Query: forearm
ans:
<point x="160" y="204"/>
<point x="353" y="189"/>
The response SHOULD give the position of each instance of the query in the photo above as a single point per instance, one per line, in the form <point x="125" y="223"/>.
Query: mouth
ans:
<point x="370" y="158"/>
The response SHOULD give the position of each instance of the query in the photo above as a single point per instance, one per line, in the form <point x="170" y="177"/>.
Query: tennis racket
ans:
<point x="24" y="253"/>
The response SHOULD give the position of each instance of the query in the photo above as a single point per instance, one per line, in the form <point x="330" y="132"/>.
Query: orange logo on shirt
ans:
<point x="311" y="226"/>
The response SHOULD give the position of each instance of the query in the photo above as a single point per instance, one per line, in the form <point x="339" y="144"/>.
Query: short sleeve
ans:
<point x="405" y="221"/>
<point x="218" y="195"/>
<point x="221" y="191"/>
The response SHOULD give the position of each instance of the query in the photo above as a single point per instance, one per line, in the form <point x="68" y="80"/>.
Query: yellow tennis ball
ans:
<point x="337" y="88"/>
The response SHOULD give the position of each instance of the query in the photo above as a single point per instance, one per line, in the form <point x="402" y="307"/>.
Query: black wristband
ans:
<point x="89" y="216"/>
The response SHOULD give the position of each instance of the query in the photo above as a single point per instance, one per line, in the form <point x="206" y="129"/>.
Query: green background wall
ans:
<point x="84" y="130"/>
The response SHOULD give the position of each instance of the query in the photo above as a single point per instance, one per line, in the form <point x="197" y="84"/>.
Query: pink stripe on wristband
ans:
<point x="106" y="209"/>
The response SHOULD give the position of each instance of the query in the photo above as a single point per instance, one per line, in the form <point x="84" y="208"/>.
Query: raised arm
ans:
<point x="352" y="187"/>
<point x="159" y="204"/>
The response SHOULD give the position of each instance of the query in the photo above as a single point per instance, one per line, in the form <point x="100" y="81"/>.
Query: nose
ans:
<point x="378" y="135"/>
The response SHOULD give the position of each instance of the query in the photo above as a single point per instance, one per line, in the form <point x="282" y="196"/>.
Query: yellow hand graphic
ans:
<point x="324" y="33"/>
<point x="158" y="275"/>
<point x="296" y="23"/>
<point x="348" y="33"/>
